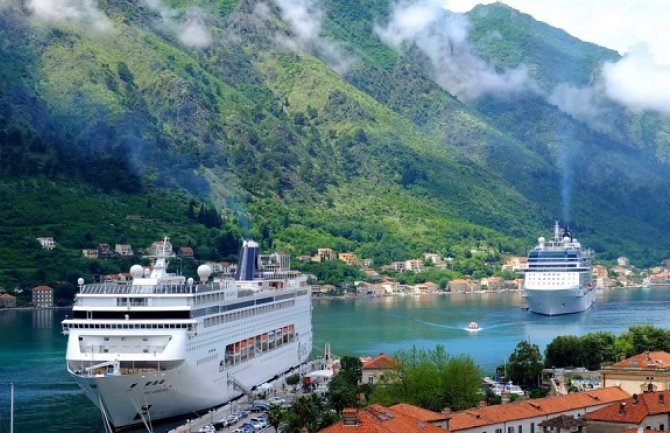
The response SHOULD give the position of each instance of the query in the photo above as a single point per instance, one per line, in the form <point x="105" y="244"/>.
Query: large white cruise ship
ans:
<point x="558" y="279"/>
<point x="163" y="346"/>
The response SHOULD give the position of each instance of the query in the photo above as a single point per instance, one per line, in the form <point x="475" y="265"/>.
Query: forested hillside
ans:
<point x="311" y="124"/>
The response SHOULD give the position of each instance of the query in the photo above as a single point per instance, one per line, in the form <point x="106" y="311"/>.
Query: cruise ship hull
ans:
<point x="553" y="302"/>
<point x="184" y="390"/>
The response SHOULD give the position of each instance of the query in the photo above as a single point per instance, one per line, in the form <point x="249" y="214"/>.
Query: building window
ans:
<point x="661" y="427"/>
<point x="532" y="427"/>
<point x="498" y="430"/>
<point x="510" y="429"/>
<point x="371" y="380"/>
<point x="519" y="429"/>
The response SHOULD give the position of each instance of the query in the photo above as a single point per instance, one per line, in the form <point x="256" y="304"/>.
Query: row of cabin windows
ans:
<point x="237" y="315"/>
<point x="127" y="326"/>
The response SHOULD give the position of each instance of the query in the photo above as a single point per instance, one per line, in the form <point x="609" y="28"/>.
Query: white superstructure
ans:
<point x="558" y="279"/>
<point x="163" y="346"/>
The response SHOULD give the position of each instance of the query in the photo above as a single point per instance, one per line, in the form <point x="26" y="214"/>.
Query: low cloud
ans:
<point x="262" y="10"/>
<point x="442" y="37"/>
<point x="638" y="81"/>
<point x="189" y="26"/>
<point x="84" y="12"/>
<point x="192" y="31"/>
<point x="582" y="103"/>
<point x="305" y="18"/>
<point x="6" y="3"/>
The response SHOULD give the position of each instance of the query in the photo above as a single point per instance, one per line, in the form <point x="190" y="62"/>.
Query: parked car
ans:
<point x="262" y="421"/>
<point x="207" y="429"/>
<point x="255" y="423"/>
<point x="241" y="414"/>
<point x="239" y="430"/>
<point x="249" y="428"/>
<point x="231" y="419"/>
<point x="276" y="400"/>
<point x="260" y="405"/>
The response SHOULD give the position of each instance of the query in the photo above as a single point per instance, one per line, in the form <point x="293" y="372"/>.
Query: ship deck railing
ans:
<point x="127" y="288"/>
<point x="553" y="269"/>
<point x="161" y="289"/>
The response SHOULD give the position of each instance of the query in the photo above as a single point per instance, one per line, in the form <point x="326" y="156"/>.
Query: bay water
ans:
<point x="32" y="348"/>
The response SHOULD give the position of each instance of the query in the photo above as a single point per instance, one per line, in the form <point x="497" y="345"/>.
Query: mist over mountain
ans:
<point x="387" y="128"/>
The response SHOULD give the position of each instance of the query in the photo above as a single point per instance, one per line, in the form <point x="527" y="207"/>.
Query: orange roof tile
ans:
<point x="645" y="360"/>
<point x="634" y="409"/>
<point x="379" y="419"/>
<point x="418" y="412"/>
<point x="7" y="296"/>
<point x="42" y="289"/>
<point x="532" y="408"/>
<point x="381" y="362"/>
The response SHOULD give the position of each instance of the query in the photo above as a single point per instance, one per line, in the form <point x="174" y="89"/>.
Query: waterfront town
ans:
<point x="378" y="280"/>
<point x="627" y="396"/>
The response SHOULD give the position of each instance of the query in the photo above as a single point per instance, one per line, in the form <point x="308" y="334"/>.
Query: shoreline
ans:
<point x="353" y="297"/>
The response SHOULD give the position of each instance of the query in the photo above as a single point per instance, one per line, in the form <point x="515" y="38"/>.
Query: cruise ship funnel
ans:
<point x="246" y="263"/>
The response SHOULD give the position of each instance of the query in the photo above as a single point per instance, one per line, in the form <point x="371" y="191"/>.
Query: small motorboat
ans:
<point x="524" y="307"/>
<point x="473" y="327"/>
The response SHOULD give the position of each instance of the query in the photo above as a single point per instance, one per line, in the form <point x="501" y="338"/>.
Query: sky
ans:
<point x="622" y="25"/>
<point x="637" y="29"/>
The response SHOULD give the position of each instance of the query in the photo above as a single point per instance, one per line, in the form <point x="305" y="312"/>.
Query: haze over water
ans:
<point x="32" y="349"/>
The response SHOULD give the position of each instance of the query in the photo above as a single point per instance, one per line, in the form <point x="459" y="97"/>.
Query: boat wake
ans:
<point x="438" y="325"/>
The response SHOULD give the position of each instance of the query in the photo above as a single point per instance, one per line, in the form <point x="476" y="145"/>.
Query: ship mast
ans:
<point x="557" y="231"/>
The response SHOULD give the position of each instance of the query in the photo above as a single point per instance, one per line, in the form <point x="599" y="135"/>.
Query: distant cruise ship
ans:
<point x="163" y="346"/>
<point x="558" y="277"/>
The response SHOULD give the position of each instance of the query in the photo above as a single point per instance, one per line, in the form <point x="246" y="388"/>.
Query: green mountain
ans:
<point x="127" y="122"/>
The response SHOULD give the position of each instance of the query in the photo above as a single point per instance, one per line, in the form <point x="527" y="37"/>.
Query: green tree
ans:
<point x="597" y="349"/>
<point x="430" y="379"/>
<point x="308" y="413"/>
<point x="293" y="380"/>
<point x="563" y="351"/>
<point x="463" y="380"/>
<point x="524" y="365"/>
<point x="343" y="388"/>
<point x="275" y="416"/>
<point x="352" y="367"/>
<point x="342" y="391"/>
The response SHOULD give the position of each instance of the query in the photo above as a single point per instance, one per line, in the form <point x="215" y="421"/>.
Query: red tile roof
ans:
<point x="634" y="409"/>
<point x="381" y="362"/>
<point x="42" y="289"/>
<point x="379" y="419"/>
<point x="418" y="412"/>
<point x="532" y="408"/>
<point x="654" y="360"/>
<point x="7" y="296"/>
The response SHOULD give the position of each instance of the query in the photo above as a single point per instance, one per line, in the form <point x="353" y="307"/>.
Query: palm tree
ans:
<point x="275" y="416"/>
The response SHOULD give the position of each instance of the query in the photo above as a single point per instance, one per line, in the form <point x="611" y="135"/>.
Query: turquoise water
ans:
<point x="32" y="349"/>
<point x="371" y="326"/>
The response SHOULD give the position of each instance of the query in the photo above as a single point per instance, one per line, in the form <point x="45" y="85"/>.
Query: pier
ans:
<point x="277" y="388"/>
